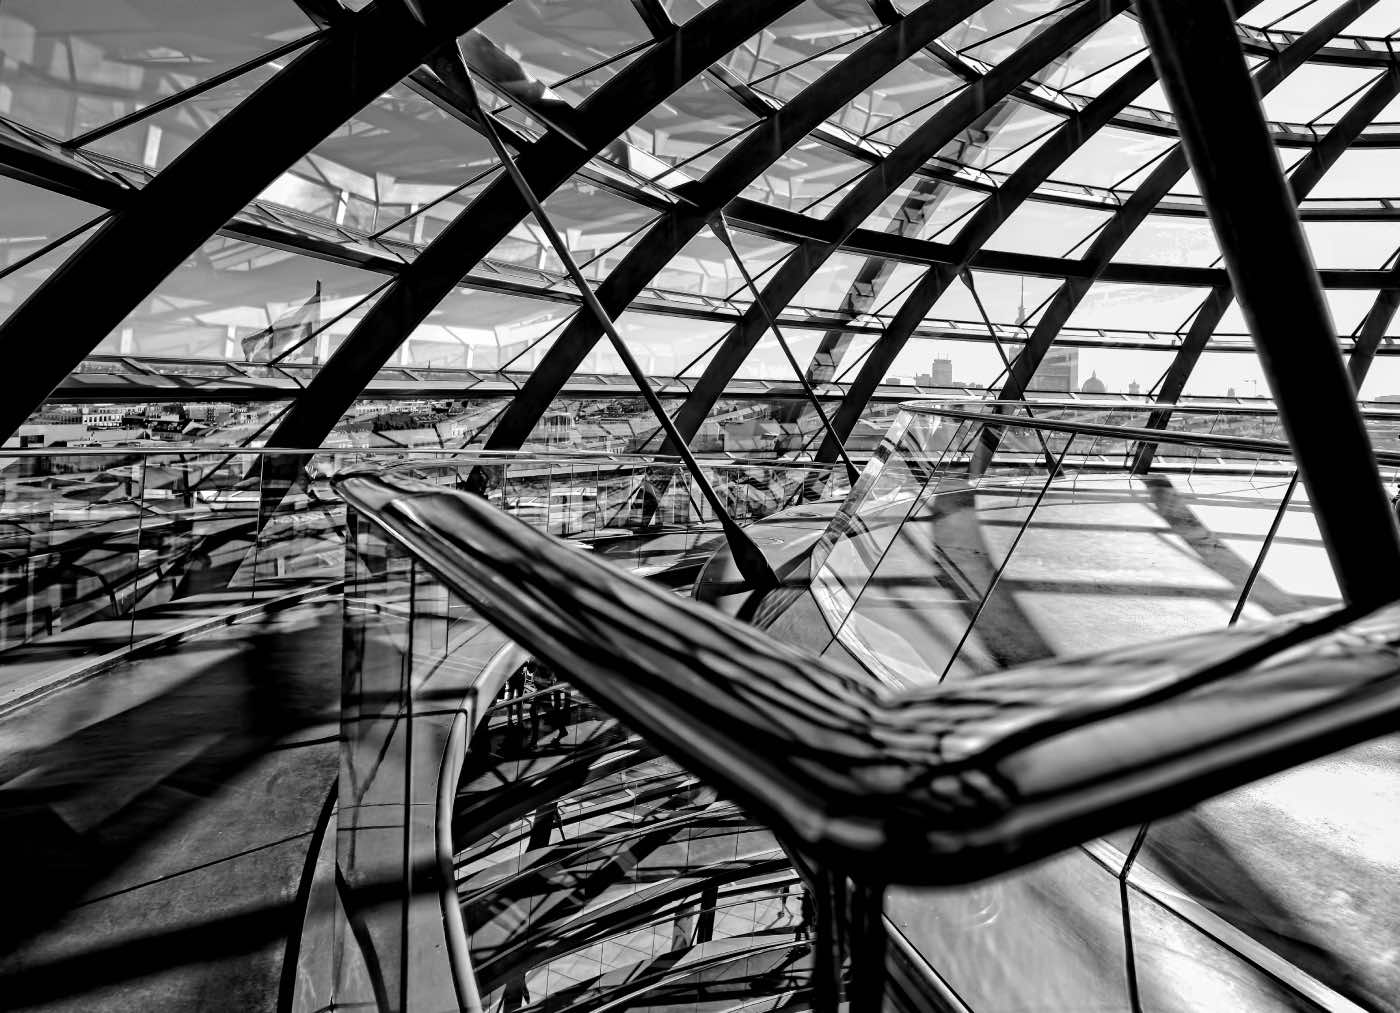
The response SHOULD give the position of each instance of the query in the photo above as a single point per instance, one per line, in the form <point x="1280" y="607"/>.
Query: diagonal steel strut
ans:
<point x="1252" y="211"/>
<point x="747" y="555"/>
<point x="721" y="229"/>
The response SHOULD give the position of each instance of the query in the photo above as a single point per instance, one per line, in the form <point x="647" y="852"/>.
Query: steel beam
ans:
<point x="1305" y="175"/>
<point x="1203" y="325"/>
<point x="864" y="290"/>
<point x="600" y="119"/>
<point x="747" y="555"/>
<point x="763" y="145"/>
<point x="1123" y="224"/>
<point x="1203" y="74"/>
<point x="1368" y="338"/>
<point x="876" y="186"/>
<point x="1018" y="187"/>
<point x="353" y="62"/>
<point x="875" y="272"/>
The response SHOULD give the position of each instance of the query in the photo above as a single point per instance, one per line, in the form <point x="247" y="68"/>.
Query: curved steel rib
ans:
<point x="917" y="785"/>
<point x="123" y="261"/>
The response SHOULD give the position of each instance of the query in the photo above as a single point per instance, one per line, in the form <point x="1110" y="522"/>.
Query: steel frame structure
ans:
<point x="1252" y="211"/>
<point x="547" y="164"/>
<point x="353" y="57"/>
<point x="347" y="67"/>
<point x="1116" y="232"/>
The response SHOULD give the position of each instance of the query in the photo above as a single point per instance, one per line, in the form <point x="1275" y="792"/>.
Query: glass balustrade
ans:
<point x="102" y="549"/>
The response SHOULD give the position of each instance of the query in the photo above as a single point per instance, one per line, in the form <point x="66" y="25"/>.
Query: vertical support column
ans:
<point x="867" y="943"/>
<point x="1203" y="74"/>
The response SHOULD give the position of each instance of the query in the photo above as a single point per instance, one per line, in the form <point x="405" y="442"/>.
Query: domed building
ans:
<point x="1093" y="385"/>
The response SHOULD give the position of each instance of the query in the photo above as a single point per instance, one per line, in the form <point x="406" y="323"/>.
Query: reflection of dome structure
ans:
<point x="387" y="374"/>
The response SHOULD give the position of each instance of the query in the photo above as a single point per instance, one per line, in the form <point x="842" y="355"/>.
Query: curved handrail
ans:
<point x="464" y="724"/>
<point x="443" y="455"/>
<point x="1378" y="411"/>
<point x="1112" y="431"/>
<point x="918" y="785"/>
<point x="214" y="450"/>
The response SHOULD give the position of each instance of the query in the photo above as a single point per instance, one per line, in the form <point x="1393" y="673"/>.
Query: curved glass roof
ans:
<point x="291" y="203"/>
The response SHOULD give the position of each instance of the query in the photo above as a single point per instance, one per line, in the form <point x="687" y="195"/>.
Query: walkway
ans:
<point x="155" y="820"/>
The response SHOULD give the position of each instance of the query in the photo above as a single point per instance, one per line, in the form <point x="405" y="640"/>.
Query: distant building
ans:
<point x="1134" y="389"/>
<point x="893" y="381"/>
<point x="103" y="417"/>
<point x="942" y="371"/>
<point x="1058" y="372"/>
<point x="1094" y="385"/>
<point x="61" y="414"/>
<point x="924" y="380"/>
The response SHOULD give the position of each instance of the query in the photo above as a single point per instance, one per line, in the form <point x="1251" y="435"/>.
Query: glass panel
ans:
<point x="1230" y="374"/>
<point x="927" y="209"/>
<point x="1135" y="307"/>
<point x="1317" y="92"/>
<point x="1099" y="60"/>
<point x="1361" y="172"/>
<point x="800" y="46"/>
<point x="597" y="224"/>
<point x="399" y="155"/>
<point x="31" y="219"/>
<point x="172" y="424"/>
<point x="969" y="363"/>
<point x="704" y="266"/>
<point x="1288" y="15"/>
<point x="1294" y="889"/>
<point x="998" y="30"/>
<point x="892" y="286"/>
<point x="476" y="329"/>
<point x="1046" y="938"/>
<point x="70" y="66"/>
<point x="830" y="285"/>
<point x="1383" y="378"/>
<point x="154" y="141"/>
<point x="1352" y="244"/>
<point x="702" y="114"/>
<point x="1002" y="138"/>
<point x="1007" y="298"/>
<point x="767" y="361"/>
<point x="1380" y="20"/>
<point x="1123" y="370"/>
<point x="240" y="301"/>
<point x="1052" y="230"/>
<point x="894" y="107"/>
<point x="804" y="175"/>
<point x="531" y="33"/>
<point x="1180" y="969"/>
<point x="663" y="346"/>
<point x="1111" y="155"/>
<point x="1171" y="239"/>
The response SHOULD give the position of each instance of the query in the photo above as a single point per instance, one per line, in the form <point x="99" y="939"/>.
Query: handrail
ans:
<point x="1371" y="410"/>
<point x="451" y="455"/>
<point x="214" y="450"/>
<point x="914" y="785"/>
<point x="1141" y="434"/>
